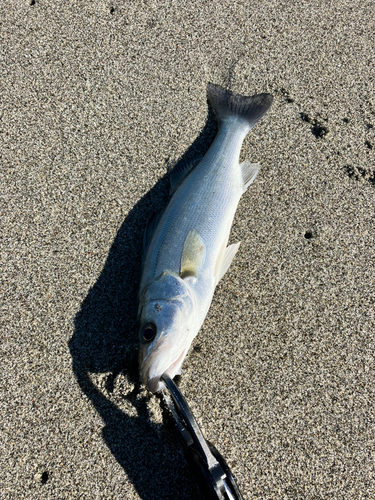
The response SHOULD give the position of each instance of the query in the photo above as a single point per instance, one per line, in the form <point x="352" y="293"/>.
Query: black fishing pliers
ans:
<point x="210" y="467"/>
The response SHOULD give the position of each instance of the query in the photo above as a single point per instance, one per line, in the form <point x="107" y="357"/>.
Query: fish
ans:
<point x="185" y="246"/>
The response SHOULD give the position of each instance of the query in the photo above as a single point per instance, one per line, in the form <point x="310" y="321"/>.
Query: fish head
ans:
<point x="167" y="328"/>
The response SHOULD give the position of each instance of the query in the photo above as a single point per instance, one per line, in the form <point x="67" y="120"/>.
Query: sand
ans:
<point x="97" y="99"/>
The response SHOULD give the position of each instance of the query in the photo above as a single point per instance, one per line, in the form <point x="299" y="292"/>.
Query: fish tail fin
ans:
<point x="228" y="105"/>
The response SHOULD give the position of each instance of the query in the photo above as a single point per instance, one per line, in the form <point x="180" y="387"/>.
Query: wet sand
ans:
<point x="97" y="100"/>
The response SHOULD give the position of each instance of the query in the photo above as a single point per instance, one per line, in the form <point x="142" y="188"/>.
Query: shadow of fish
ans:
<point x="185" y="246"/>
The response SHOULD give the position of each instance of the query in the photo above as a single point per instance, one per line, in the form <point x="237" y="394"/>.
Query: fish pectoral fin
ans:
<point x="193" y="255"/>
<point x="182" y="168"/>
<point x="229" y="254"/>
<point x="249" y="172"/>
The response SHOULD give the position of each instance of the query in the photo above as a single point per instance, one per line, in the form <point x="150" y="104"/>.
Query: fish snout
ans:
<point x="155" y="384"/>
<point x="154" y="367"/>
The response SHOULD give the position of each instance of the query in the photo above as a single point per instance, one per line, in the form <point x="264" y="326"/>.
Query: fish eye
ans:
<point x="148" y="332"/>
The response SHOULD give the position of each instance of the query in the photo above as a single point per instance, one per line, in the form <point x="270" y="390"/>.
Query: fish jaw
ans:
<point x="153" y="370"/>
<point x="164" y="357"/>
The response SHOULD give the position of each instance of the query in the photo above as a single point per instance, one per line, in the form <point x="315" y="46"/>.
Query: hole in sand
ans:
<point x="45" y="477"/>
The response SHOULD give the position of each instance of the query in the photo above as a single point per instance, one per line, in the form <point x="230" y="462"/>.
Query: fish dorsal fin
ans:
<point x="192" y="255"/>
<point x="178" y="173"/>
<point x="229" y="254"/>
<point x="249" y="172"/>
<point x="150" y="229"/>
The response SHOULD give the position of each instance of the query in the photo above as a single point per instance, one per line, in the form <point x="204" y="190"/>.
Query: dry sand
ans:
<point x="97" y="99"/>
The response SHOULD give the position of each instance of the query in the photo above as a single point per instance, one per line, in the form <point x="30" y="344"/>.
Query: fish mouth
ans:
<point x="153" y="380"/>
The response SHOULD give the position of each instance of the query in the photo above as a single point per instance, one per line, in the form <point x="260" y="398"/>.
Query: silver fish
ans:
<point x="185" y="246"/>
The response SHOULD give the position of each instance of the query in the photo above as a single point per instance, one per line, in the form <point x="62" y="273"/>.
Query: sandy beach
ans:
<point x="97" y="100"/>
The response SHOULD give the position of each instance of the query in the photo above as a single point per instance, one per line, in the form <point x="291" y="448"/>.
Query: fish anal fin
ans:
<point x="227" y="258"/>
<point x="193" y="255"/>
<point x="249" y="172"/>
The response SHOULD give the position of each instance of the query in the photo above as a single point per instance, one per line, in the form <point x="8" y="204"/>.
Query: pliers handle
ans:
<point x="210" y="467"/>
